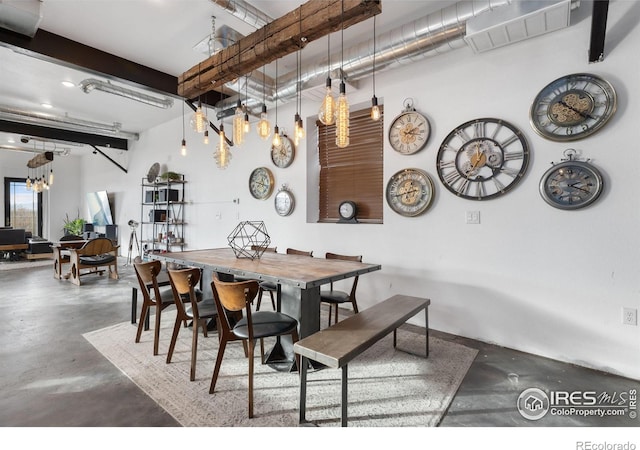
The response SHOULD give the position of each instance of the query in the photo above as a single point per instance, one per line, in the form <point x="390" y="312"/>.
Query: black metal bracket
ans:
<point x="97" y="150"/>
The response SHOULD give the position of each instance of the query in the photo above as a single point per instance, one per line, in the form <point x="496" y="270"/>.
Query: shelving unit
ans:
<point x="162" y="215"/>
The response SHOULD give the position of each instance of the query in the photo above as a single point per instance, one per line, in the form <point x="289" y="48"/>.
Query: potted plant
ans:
<point x="74" y="226"/>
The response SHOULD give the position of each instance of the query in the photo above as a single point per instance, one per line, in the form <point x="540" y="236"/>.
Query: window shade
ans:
<point x="352" y="173"/>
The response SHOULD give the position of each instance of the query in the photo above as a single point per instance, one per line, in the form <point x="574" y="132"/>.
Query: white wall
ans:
<point x="529" y="277"/>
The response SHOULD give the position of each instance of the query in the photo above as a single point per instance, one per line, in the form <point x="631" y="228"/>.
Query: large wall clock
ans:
<point x="573" y="107"/>
<point x="283" y="156"/>
<point x="571" y="184"/>
<point x="482" y="159"/>
<point x="410" y="192"/>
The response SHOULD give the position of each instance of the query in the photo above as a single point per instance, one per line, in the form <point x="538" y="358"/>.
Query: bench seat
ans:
<point x="337" y="345"/>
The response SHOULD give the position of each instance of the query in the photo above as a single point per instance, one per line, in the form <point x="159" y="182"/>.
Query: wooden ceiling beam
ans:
<point x="285" y="35"/>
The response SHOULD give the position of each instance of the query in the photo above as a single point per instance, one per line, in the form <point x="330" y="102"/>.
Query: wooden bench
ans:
<point x="96" y="253"/>
<point x="337" y="345"/>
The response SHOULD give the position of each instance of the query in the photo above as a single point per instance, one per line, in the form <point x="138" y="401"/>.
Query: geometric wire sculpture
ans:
<point x="249" y="239"/>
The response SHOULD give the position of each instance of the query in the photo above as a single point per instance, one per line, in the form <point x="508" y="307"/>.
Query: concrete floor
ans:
<point x="50" y="376"/>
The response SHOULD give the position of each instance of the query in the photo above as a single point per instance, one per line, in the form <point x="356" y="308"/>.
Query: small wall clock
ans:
<point x="284" y="201"/>
<point x="410" y="192"/>
<point x="409" y="131"/>
<point x="573" y="107"/>
<point x="571" y="184"/>
<point x="347" y="212"/>
<point x="482" y="159"/>
<point x="261" y="183"/>
<point x="283" y="157"/>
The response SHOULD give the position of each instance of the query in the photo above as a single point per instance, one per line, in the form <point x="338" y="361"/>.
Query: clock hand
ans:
<point x="585" y="115"/>
<point x="573" y="185"/>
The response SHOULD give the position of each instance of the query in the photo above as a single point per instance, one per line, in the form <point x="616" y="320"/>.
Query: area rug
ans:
<point x="387" y="387"/>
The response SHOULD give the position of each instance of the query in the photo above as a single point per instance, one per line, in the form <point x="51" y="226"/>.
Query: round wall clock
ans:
<point x="284" y="201"/>
<point x="409" y="131"/>
<point x="261" y="183"/>
<point x="573" y="107"/>
<point x="410" y="192"/>
<point x="482" y="159"/>
<point x="571" y="184"/>
<point x="283" y="157"/>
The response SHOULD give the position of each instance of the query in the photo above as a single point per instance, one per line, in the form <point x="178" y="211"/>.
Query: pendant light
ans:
<point x="375" y="109"/>
<point x="246" y="125"/>
<point x="296" y="118"/>
<point x="199" y="119"/>
<point x="183" y="147"/>
<point x="327" y="113"/>
<point x="222" y="155"/>
<point x="238" y="118"/>
<point x="264" y="127"/>
<point x="276" y="143"/>
<point x="342" y="110"/>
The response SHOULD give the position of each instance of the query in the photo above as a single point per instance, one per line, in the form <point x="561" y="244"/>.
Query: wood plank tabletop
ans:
<point x="294" y="270"/>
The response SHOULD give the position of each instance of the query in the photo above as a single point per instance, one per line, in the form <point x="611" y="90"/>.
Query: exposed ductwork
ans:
<point x="90" y="84"/>
<point x="65" y="123"/>
<point x="434" y="34"/>
<point x="21" y="16"/>
<point x="245" y="12"/>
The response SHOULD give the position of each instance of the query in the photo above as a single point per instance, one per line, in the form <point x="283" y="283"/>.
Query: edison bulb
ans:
<point x="342" y="119"/>
<point x="327" y="113"/>
<point x="264" y="127"/>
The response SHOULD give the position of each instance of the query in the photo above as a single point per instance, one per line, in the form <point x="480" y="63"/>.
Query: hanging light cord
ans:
<point x="374" y="56"/>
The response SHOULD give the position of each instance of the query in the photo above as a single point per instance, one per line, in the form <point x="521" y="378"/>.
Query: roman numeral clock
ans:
<point x="482" y="159"/>
<point x="409" y="130"/>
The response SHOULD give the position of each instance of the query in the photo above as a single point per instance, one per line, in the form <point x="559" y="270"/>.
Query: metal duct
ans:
<point x="65" y="123"/>
<point x="20" y="16"/>
<point x="245" y="12"/>
<point x="90" y="84"/>
<point x="434" y="34"/>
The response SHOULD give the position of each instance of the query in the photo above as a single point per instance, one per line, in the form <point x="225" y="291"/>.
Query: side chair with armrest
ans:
<point x="96" y="253"/>
<point x="62" y="255"/>
<point x="335" y="297"/>
<point x="183" y="284"/>
<point x="232" y="299"/>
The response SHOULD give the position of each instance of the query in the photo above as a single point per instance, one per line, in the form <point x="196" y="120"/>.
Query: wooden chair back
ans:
<point x="97" y="246"/>
<point x="232" y="297"/>
<point x="357" y="258"/>
<point x="293" y="251"/>
<point x="265" y="249"/>
<point x="147" y="273"/>
<point x="183" y="284"/>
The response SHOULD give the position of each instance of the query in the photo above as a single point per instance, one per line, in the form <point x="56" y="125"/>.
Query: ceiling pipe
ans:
<point x="65" y="123"/>
<point x="244" y="11"/>
<point x="91" y="84"/>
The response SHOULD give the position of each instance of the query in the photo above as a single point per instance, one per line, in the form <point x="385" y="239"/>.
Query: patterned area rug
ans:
<point x="387" y="388"/>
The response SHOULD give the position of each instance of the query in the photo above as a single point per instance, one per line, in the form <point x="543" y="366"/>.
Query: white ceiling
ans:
<point x="159" y="34"/>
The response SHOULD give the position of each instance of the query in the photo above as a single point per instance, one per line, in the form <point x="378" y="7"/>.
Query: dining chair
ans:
<point x="232" y="298"/>
<point x="183" y="284"/>
<point x="147" y="274"/>
<point x="336" y="297"/>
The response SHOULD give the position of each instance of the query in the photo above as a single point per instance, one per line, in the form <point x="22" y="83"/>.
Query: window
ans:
<point x="352" y="173"/>
<point x="22" y="207"/>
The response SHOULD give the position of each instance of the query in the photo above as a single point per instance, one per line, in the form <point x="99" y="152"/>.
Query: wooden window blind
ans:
<point x="352" y="173"/>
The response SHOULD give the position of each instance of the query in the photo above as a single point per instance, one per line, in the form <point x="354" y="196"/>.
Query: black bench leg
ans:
<point x="303" y="389"/>
<point x="134" y="304"/>
<point x="426" y="324"/>
<point x="344" y="395"/>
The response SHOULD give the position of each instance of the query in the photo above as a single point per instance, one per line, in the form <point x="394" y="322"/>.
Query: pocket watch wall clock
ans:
<point x="284" y="201"/>
<point x="573" y="107"/>
<point x="283" y="156"/>
<point x="482" y="159"/>
<point x="261" y="183"/>
<point x="409" y="131"/>
<point x="347" y="212"/>
<point x="571" y="184"/>
<point x="410" y="192"/>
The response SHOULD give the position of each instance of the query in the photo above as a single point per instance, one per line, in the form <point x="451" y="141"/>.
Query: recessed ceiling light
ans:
<point x="68" y="83"/>
<point x="11" y="140"/>
<point x="46" y="105"/>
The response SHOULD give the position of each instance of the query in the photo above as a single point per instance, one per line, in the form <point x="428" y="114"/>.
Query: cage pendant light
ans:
<point x="342" y="110"/>
<point x="327" y="113"/>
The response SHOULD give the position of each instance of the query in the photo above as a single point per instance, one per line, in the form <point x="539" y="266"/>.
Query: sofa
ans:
<point x="15" y="240"/>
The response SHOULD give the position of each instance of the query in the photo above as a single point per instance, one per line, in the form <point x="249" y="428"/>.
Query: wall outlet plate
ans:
<point x="472" y="217"/>
<point x="629" y="316"/>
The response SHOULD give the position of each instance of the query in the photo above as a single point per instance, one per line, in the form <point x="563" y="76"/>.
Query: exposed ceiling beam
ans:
<point x="63" y="135"/>
<point x="285" y="35"/>
<point x="52" y="47"/>
<point x="598" y="30"/>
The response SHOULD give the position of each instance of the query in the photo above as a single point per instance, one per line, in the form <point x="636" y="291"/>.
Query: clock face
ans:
<point x="284" y="202"/>
<point x="482" y="159"/>
<point x="409" y="132"/>
<point x="573" y="107"/>
<point x="283" y="156"/>
<point x="261" y="183"/>
<point x="347" y="210"/>
<point x="410" y="192"/>
<point x="571" y="185"/>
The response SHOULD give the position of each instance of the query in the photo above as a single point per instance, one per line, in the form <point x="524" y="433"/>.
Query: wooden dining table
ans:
<point x="298" y="278"/>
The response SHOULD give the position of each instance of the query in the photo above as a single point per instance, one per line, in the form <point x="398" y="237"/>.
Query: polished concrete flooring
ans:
<point x="50" y="376"/>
